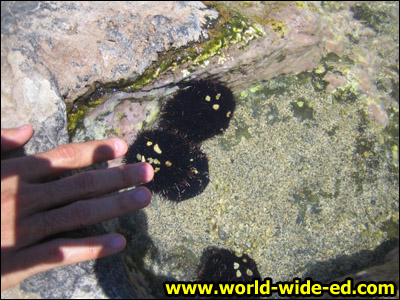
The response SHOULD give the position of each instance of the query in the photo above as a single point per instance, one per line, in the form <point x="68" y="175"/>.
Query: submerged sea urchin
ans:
<point x="180" y="168"/>
<point x="222" y="265"/>
<point x="199" y="110"/>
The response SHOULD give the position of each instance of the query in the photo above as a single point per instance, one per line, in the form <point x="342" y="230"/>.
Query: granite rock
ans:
<point x="54" y="52"/>
<point x="51" y="52"/>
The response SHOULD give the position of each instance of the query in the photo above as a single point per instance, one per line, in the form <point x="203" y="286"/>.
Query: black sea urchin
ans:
<point x="222" y="265"/>
<point x="199" y="110"/>
<point x="180" y="168"/>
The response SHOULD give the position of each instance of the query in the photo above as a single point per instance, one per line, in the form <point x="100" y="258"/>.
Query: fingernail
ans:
<point x="141" y="196"/>
<point x="23" y="127"/>
<point x="117" y="242"/>
<point x="120" y="146"/>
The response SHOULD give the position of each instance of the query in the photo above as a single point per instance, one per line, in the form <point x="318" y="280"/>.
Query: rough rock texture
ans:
<point x="51" y="52"/>
<point x="95" y="279"/>
<point x="78" y="43"/>
<point x="290" y="39"/>
<point x="385" y="272"/>
<point x="54" y="52"/>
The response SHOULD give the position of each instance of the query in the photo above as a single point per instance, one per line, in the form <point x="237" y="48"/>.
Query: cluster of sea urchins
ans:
<point x="198" y="111"/>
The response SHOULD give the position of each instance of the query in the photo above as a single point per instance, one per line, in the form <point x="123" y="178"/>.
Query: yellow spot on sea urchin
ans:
<point x="143" y="158"/>
<point x="194" y="170"/>
<point x="157" y="149"/>
<point x="228" y="114"/>
<point x="149" y="143"/>
<point x="139" y="157"/>
<point x="249" y="272"/>
<point x="244" y="260"/>
<point x="156" y="170"/>
<point x="218" y="96"/>
<point x="208" y="98"/>
<point x="157" y="162"/>
<point x="235" y="265"/>
<point x="238" y="273"/>
<point x="215" y="106"/>
<point x="168" y="163"/>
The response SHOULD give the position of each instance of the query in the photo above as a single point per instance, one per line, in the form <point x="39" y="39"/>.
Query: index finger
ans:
<point x="66" y="158"/>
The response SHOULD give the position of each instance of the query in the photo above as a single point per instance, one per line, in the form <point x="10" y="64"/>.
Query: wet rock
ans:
<point x="51" y="53"/>
<point x="386" y="272"/>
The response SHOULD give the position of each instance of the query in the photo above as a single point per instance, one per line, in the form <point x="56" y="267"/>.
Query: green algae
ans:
<point x="372" y="17"/>
<point x="304" y="199"/>
<point x="231" y="28"/>
<point x="333" y="131"/>
<point x="242" y="131"/>
<point x="345" y="94"/>
<point x="302" y="110"/>
<point x="391" y="138"/>
<point x="182" y="259"/>
<point x="331" y="62"/>
<point x="391" y="227"/>
<point x="74" y="116"/>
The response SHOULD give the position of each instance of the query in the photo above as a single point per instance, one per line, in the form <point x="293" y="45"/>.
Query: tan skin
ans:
<point x="33" y="209"/>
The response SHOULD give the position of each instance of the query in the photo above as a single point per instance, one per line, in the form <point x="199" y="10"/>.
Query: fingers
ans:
<point x="61" y="252"/>
<point x="83" y="213"/>
<point x="66" y="157"/>
<point x="90" y="184"/>
<point x="15" y="137"/>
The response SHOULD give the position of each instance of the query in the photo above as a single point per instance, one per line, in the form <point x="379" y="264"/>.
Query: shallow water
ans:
<point x="304" y="179"/>
<point x="289" y="187"/>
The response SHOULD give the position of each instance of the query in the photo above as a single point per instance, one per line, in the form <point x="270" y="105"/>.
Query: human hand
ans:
<point x="32" y="209"/>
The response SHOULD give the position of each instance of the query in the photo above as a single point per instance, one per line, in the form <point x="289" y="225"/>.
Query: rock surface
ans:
<point x="51" y="52"/>
<point x="55" y="52"/>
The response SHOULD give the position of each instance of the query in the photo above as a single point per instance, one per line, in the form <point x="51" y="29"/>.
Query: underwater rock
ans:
<point x="222" y="265"/>
<point x="180" y="168"/>
<point x="199" y="110"/>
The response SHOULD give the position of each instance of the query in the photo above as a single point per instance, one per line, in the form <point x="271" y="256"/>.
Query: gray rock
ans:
<point x="54" y="52"/>
<point x="75" y="44"/>
<point x="51" y="53"/>
<point x="100" y="279"/>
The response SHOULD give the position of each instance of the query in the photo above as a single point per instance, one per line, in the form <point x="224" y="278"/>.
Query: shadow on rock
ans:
<point x="369" y="261"/>
<point x="139" y="246"/>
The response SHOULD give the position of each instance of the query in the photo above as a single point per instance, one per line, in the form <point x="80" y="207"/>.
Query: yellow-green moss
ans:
<point x="279" y="27"/>
<point x="231" y="28"/>
<point x="75" y="117"/>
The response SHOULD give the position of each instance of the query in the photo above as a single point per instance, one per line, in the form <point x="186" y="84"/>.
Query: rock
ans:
<point x="51" y="53"/>
<point x="78" y="43"/>
<point x="99" y="279"/>
<point x="386" y="272"/>
<point x="114" y="64"/>
<point x="29" y="98"/>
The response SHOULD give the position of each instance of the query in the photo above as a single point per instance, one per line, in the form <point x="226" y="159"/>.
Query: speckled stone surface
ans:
<point x="52" y="52"/>
<point x="304" y="180"/>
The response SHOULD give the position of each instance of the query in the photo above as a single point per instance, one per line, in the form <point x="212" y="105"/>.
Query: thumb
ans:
<point x="15" y="137"/>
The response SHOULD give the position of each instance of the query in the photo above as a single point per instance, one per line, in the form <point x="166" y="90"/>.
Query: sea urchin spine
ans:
<point x="199" y="110"/>
<point x="222" y="265"/>
<point x="180" y="168"/>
